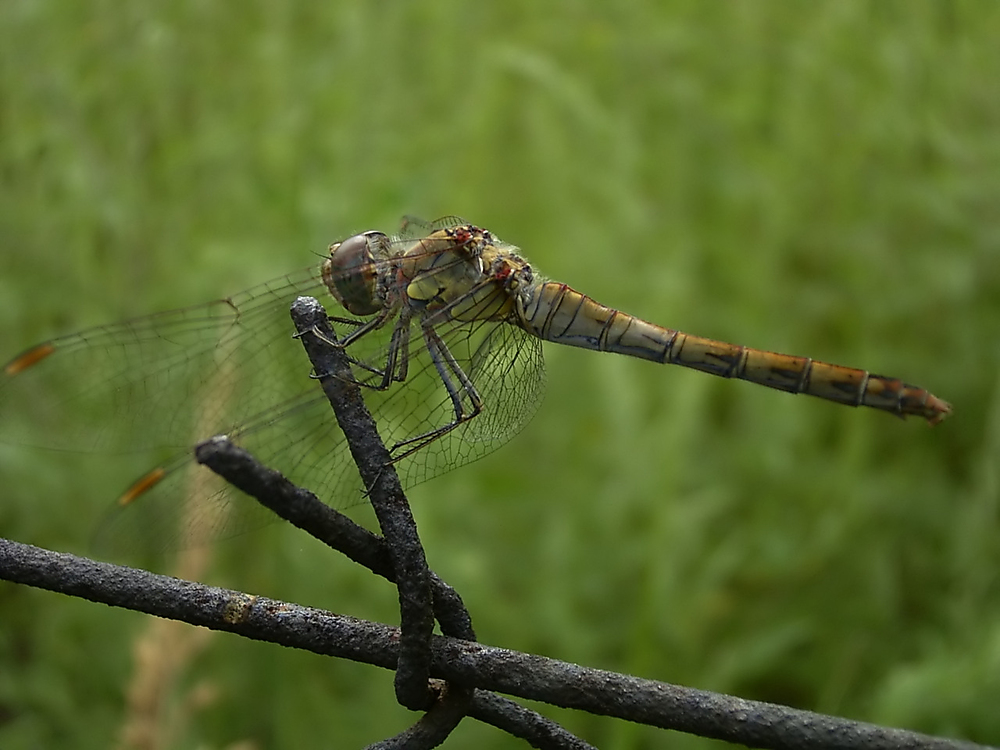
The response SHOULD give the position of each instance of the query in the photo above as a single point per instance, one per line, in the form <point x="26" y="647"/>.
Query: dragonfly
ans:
<point x="442" y="324"/>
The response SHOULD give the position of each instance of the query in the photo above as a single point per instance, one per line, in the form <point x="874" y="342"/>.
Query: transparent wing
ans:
<point x="504" y="363"/>
<point x="160" y="381"/>
<point x="301" y="439"/>
<point x="414" y="228"/>
<point x="506" y="367"/>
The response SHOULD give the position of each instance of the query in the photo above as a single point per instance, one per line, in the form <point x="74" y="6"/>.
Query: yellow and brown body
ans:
<point x="556" y="312"/>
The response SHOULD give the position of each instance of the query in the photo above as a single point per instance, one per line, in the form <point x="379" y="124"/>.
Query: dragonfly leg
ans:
<point x="482" y="302"/>
<point x="326" y="339"/>
<point x="449" y="370"/>
<point x="365" y="328"/>
<point x="397" y="360"/>
<point x="400" y="338"/>
<point x="396" y="364"/>
<point x="345" y="321"/>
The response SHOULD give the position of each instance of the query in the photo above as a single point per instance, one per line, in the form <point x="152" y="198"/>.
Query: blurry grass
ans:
<point x="818" y="178"/>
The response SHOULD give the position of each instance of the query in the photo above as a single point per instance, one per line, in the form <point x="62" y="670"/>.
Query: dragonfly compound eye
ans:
<point x="350" y="273"/>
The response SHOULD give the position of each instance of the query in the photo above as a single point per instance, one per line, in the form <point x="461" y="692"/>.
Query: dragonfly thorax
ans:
<point x="351" y="275"/>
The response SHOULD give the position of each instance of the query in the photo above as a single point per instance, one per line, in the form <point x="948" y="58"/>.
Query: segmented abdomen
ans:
<point x="556" y="312"/>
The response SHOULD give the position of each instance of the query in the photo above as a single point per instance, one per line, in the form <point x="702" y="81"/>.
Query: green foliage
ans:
<point x="817" y="178"/>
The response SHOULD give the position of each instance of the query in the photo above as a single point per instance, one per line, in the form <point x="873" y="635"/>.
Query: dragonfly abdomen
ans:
<point x="557" y="312"/>
<point x="785" y="372"/>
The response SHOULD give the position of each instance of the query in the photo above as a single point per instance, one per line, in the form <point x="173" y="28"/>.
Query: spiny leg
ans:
<point x="446" y="366"/>
<point x="365" y="328"/>
<point x="397" y="360"/>
<point x="445" y="362"/>
<point x="398" y="344"/>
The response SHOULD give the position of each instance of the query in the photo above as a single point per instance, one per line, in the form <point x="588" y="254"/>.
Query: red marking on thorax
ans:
<point x="462" y="235"/>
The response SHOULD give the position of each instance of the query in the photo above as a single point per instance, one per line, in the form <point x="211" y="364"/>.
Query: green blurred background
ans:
<point x="816" y="178"/>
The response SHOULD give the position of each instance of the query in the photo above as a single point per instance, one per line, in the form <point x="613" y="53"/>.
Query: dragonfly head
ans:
<point x="350" y="273"/>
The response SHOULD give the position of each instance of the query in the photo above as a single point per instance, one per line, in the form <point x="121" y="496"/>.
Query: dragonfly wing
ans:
<point x="504" y="364"/>
<point x="189" y="505"/>
<point x="415" y="228"/>
<point x="161" y="381"/>
<point x="508" y="370"/>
